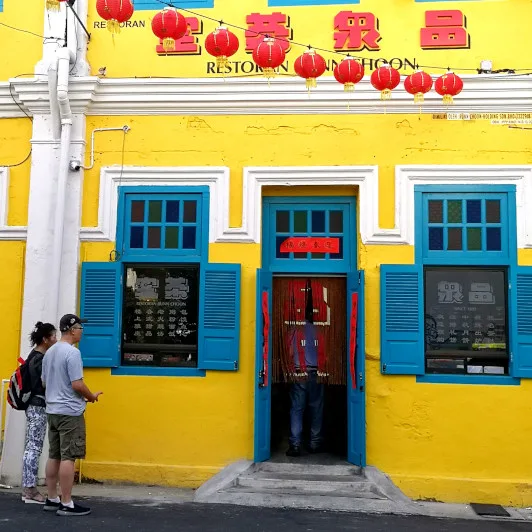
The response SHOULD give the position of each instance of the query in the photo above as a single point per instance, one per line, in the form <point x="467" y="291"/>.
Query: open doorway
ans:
<point x="309" y="368"/>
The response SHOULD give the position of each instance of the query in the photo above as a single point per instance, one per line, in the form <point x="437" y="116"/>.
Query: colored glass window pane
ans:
<point x="340" y="254"/>
<point x="172" y="238"/>
<point x="189" y="237"/>
<point x="474" y="211"/>
<point x="136" y="239"/>
<point x="493" y="211"/>
<point x="435" y="211"/>
<point x="436" y="238"/>
<point x="318" y="221"/>
<point x="282" y="222"/>
<point x="474" y="239"/>
<point x="278" y="241"/>
<point x="493" y="239"/>
<point x="155" y="211"/>
<point x="154" y="237"/>
<point x="454" y="212"/>
<point x="137" y="211"/>
<point x="454" y="238"/>
<point x="336" y="222"/>
<point x="189" y="212"/>
<point x="172" y="211"/>
<point x="300" y="221"/>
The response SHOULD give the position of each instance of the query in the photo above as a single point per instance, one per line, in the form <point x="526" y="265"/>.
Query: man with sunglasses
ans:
<point x="66" y="398"/>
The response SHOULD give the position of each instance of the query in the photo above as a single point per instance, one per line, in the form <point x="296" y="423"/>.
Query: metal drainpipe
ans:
<point x="64" y="57"/>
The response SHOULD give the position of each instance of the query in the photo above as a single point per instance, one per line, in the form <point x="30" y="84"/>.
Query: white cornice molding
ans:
<point x="285" y="95"/>
<point x="7" y="232"/>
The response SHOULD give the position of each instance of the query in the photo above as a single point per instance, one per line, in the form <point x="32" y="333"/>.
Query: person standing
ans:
<point x="66" y="398"/>
<point x="42" y="338"/>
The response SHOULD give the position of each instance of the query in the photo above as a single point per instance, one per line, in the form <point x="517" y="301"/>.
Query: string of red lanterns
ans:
<point x="169" y="25"/>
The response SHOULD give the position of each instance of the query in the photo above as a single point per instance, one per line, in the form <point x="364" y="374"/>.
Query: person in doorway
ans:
<point x="66" y="398"/>
<point x="42" y="338"/>
<point x="305" y="390"/>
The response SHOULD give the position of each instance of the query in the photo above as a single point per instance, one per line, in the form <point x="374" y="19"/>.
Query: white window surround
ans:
<point x="365" y="177"/>
<point x="7" y="232"/>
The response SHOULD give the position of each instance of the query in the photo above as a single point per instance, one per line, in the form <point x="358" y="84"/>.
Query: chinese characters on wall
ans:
<point x="161" y="315"/>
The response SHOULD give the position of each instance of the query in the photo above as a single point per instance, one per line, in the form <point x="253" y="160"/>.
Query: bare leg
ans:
<point x="52" y="472"/>
<point x="66" y="480"/>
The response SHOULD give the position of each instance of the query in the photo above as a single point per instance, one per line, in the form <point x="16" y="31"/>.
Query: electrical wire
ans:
<point x="325" y="50"/>
<point x="114" y="254"/>
<point x="22" y="30"/>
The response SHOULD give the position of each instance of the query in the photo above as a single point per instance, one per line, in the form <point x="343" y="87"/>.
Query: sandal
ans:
<point x="32" y="496"/>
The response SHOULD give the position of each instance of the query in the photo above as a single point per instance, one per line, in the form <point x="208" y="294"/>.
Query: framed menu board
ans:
<point x="466" y="320"/>
<point x="160" y="315"/>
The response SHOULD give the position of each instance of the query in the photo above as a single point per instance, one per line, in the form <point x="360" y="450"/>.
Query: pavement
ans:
<point x="125" y="508"/>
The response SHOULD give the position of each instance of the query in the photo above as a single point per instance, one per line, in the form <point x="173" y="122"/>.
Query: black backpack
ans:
<point x="19" y="391"/>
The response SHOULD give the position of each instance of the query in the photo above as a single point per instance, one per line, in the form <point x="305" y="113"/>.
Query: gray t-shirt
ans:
<point x="61" y="366"/>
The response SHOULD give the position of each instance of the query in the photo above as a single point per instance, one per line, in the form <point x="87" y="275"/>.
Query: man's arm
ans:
<point x="80" y="387"/>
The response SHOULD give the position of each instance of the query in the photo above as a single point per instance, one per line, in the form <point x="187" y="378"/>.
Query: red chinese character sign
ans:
<point x="444" y="29"/>
<point x="188" y="44"/>
<point x="275" y="25"/>
<point x="310" y="244"/>
<point x="356" y="31"/>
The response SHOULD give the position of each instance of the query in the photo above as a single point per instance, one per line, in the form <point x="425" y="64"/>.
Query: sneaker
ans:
<point x="51" y="506"/>
<point x="76" y="511"/>
<point x="293" y="450"/>
<point x="32" y="496"/>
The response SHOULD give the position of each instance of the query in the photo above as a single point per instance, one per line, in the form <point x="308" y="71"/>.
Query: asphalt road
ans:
<point x="110" y="516"/>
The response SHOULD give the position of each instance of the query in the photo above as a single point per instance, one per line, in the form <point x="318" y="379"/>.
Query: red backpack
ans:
<point x="19" y="391"/>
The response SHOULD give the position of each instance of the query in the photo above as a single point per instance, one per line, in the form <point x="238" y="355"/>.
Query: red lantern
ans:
<point x="310" y="66"/>
<point x="269" y="54"/>
<point x="53" y="5"/>
<point x="418" y="84"/>
<point x="348" y="72"/>
<point x="385" y="79"/>
<point x="115" y="12"/>
<point x="448" y="85"/>
<point x="169" y="25"/>
<point x="222" y="44"/>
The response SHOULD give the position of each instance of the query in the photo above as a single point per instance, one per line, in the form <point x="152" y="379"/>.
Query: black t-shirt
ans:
<point x="35" y="366"/>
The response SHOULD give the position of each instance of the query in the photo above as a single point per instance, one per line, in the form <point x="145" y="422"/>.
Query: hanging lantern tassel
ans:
<point x="52" y="5"/>
<point x="168" y="44"/>
<point x="349" y="87"/>
<point x="386" y="94"/>
<point x="448" y="99"/>
<point x="419" y="97"/>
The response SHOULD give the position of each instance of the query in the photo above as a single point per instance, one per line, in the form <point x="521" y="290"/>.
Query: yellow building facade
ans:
<point x="444" y="423"/>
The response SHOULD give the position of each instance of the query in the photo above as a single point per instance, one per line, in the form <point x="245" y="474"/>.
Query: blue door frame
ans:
<point x="344" y="264"/>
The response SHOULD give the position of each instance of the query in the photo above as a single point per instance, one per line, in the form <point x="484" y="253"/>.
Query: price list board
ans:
<point x="160" y="315"/>
<point x="465" y="311"/>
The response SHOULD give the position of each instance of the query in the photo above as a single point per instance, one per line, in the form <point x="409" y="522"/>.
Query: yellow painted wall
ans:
<point x="20" y="49"/>
<point x="448" y="442"/>
<point x="495" y="34"/>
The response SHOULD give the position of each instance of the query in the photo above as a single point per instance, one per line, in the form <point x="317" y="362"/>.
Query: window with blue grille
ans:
<point x="311" y="235"/>
<point x="471" y="298"/>
<point x="163" y="225"/>
<point x="185" y="4"/>
<point x="166" y="310"/>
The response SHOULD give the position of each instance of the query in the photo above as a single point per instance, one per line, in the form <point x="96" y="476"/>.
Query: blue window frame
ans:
<point x="280" y="3"/>
<point x="330" y="218"/>
<point x="1" y="5"/>
<point x="155" y="310"/>
<point x="460" y="313"/>
<point x="186" y="4"/>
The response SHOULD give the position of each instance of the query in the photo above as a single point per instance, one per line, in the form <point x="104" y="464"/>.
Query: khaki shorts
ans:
<point x="66" y="436"/>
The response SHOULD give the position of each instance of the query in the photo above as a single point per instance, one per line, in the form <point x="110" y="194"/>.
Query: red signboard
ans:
<point x="311" y="244"/>
<point x="444" y="29"/>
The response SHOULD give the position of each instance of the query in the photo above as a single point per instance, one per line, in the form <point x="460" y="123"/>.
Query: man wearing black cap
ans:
<point x="66" y="398"/>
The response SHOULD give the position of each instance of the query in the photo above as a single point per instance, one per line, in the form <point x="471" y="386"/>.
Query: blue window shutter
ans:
<point x="219" y="339"/>
<point x="402" y="331"/>
<point x="101" y="303"/>
<point x="521" y="322"/>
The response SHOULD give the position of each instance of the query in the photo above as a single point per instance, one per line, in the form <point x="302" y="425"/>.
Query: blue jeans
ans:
<point x="301" y="393"/>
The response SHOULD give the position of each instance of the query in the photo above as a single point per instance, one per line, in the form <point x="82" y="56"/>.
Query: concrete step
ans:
<point x="360" y="490"/>
<point x="238" y="496"/>
<point x="316" y="469"/>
